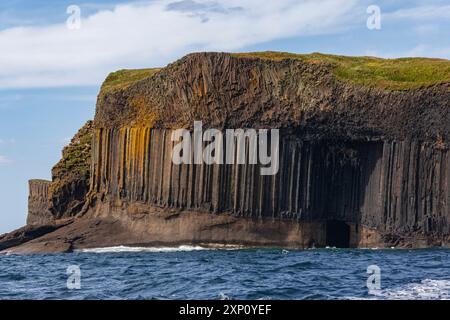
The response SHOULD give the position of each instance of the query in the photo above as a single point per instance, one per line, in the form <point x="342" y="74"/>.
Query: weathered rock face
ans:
<point x="358" y="166"/>
<point x="25" y="234"/>
<point x="38" y="206"/>
<point x="231" y="92"/>
<point x="398" y="189"/>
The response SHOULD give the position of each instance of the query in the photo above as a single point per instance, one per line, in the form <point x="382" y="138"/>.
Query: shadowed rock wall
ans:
<point x="397" y="188"/>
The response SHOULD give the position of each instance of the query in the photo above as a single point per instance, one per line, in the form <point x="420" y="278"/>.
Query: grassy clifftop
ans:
<point x="389" y="74"/>
<point x="123" y="78"/>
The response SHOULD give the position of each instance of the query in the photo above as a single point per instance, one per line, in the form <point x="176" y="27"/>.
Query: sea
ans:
<point x="194" y="272"/>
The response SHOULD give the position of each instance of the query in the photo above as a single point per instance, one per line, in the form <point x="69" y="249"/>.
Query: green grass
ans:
<point x="76" y="155"/>
<point x="390" y="74"/>
<point x="123" y="78"/>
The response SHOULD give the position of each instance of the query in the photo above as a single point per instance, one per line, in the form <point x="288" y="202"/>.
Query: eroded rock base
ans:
<point x="137" y="226"/>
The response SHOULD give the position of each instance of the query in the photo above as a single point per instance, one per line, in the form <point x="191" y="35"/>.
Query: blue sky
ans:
<point x="50" y="74"/>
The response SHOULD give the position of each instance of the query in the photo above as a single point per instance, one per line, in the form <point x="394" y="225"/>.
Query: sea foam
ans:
<point x="143" y="249"/>
<point x="427" y="289"/>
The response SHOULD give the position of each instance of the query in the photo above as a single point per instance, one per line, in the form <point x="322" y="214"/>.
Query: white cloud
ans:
<point x="5" y="161"/>
<point x="424" y="22"/>
<point x="425" y="12"/>
<point x="153" y="34"/>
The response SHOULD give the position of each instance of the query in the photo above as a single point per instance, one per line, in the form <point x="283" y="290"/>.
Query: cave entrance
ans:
<point x="338" y="234"/>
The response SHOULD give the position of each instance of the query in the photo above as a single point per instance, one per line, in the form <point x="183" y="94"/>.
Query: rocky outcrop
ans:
<point x="26" y="234"/>
<point x="359" y="165"/>
<point x="70" y="176"/>
<point x="66" y="195"/>
<point x="38" y="205"/>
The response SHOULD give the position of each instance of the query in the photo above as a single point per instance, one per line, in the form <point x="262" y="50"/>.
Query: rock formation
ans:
<point x="362" y="163"/>
<point x="38" y="209"/>
<point x="70" y="176"/>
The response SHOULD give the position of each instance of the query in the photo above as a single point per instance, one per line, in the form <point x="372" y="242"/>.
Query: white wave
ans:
<point x="223" y="296"/>
<point x="144" y="249"/>
<point x="427" y="289"/>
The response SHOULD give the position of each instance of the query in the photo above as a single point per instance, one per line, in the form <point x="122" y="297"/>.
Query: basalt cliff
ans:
<point x="363" y="158"/>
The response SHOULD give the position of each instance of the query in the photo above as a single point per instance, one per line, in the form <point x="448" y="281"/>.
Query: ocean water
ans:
<point x="191" y="272"/>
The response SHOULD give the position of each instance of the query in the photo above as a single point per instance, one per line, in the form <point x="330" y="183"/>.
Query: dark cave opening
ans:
<point x="337" y="234"/>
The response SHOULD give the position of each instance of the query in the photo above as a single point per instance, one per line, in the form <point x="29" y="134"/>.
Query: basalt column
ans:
<point x="410" y="193"/>
<point x="314" y="181"/>
<point x="38" y="205"/>
<point x="392" y="187"/>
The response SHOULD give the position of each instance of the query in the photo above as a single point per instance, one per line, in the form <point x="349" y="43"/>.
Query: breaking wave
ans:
<point x="427" y="289"/>
<point x="144" y="249"/>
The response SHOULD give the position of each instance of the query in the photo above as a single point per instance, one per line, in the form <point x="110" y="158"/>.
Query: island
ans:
<point x="363" y="158"/>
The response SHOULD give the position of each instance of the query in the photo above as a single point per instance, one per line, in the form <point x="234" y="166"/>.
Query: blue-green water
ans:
<point x="186" y="273"/>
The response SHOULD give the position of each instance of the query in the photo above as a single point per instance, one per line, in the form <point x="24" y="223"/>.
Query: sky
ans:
<point x="54" y="55"/>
